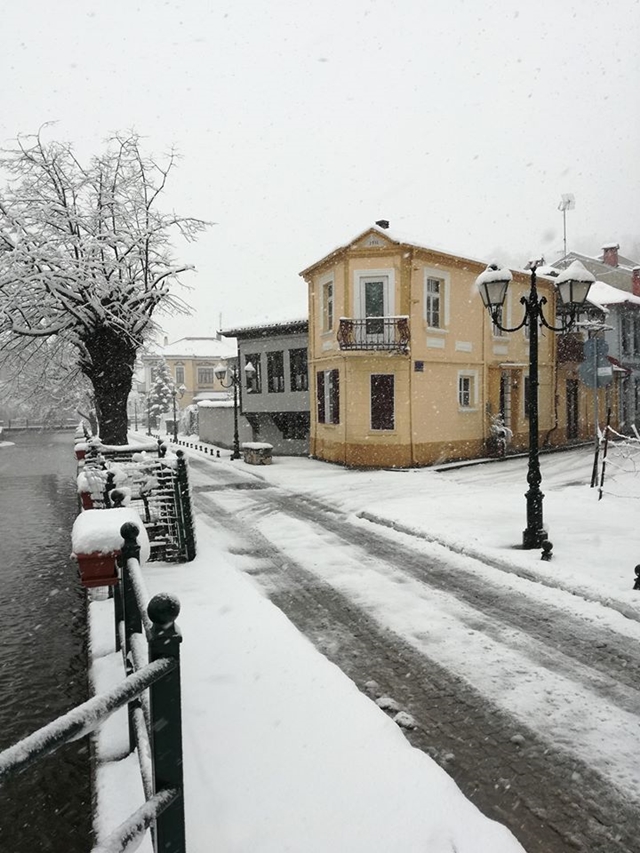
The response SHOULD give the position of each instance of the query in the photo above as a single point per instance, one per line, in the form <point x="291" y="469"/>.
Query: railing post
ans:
<point x="131" y="614"/>
<point x="166" y="723"/>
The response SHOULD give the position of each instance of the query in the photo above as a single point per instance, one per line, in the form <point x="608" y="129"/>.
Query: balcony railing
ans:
<point x="374" y="333"/>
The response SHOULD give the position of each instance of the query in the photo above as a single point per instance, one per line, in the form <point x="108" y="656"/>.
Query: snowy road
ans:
<point x="526" y="695"/>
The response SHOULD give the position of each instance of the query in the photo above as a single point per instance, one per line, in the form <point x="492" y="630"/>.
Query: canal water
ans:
<point x="43" y="650"/>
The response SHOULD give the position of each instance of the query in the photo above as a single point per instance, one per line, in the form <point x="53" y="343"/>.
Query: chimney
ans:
<point x="610" y="254"/>
<point x="382" y="223"/>
<point x="635" y="281"/>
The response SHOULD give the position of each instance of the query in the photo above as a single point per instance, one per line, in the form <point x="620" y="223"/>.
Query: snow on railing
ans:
<point x="152" y="692"/>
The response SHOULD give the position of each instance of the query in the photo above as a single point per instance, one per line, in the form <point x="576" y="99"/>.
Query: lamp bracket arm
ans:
<point x="496" y="322"/>
<point x="567" y="323"/>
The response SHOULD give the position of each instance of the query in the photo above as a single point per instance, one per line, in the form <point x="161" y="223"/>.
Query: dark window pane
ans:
<point x="254" y="386"/>
<point x="382" y="401"/>
<point x="334" y="396"/>
<point x="299" y="376"/>
<point x="275" y="372"/>
<point x="320" y="395"/>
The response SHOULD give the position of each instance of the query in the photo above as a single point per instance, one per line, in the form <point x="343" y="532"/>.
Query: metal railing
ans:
<point x="151" y="690"/>
<point x="158" y="488"/>
<point x="374" y="333"/>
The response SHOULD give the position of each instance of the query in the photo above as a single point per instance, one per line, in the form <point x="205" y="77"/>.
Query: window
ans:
<point x="275" y="372"/>
<point x="373" y="295"/>
<point x="374" y="298"/>
<point x="433" y="302"/>
<point x="496" y="331"/>
<point x="436" y="298"/>
<point x="382" y="401"/>
<point x="205" y="376"/>
<point x="254" y="385"/>
<point x="298" y="373"/>
<point x="467" y="390"/>
<point x="624" y="401"/>
<point x="327" y="306"/>
<point x="636" y="335"/>
<point x="625" y="334"/>
<point x="179" y="375"/>
<point x="328" y="396"/>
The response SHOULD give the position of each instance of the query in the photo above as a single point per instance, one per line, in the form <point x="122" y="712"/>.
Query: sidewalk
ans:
<point x="281" y="751"/>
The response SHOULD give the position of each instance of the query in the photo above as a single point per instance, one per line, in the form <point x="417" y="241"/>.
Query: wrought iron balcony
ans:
<point x="374" y="333"/>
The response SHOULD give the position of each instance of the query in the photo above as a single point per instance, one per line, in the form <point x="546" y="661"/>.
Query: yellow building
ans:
<point x="406" y="367"/>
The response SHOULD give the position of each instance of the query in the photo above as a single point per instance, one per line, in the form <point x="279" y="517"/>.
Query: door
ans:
<point x="572" y="409"/>
<point x="374" y="302"/>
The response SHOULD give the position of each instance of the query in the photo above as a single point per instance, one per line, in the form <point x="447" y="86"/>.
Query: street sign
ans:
<point x="596" y="370"/>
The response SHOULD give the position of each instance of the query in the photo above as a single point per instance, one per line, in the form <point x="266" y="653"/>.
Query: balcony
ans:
<point x="374" y="333"/>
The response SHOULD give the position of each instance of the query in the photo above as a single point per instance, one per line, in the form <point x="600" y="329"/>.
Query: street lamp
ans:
<point x="572" y="286"/>
<point x="174" y="393"/>
<point x="221" y="372"/>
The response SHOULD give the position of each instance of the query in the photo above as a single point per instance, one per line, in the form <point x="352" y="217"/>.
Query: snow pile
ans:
<point x="97" y="531"/>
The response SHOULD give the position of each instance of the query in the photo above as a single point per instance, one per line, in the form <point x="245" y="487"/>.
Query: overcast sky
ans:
<point x="302" y="123"/>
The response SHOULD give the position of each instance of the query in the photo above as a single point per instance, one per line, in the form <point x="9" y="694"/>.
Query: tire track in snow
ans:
<point x="361" y="648"/>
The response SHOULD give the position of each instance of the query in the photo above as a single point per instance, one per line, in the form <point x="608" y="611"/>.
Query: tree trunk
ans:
<point x="110" y="370"/>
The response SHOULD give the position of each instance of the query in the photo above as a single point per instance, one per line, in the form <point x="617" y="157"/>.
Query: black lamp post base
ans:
<point x="235" y="455"/>
<point x="533" y="537"/>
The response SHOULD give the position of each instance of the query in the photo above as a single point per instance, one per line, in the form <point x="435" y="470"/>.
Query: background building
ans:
<point x="273" y="400"/>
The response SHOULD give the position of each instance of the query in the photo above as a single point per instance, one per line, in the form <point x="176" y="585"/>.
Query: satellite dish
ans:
<point x="567" y="202"/>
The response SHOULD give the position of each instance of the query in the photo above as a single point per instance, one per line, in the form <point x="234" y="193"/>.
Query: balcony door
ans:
<point x="374" y="305"/>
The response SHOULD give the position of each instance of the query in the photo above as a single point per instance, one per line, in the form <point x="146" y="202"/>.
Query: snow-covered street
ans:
<point x="518" y="676"/>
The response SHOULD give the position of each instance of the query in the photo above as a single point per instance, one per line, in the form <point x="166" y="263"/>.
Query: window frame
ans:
<point x="376" y="377"/>
<point x="295" y="354"/>
<point x="179" y="374"/>
<point x="202" y="382"/>
<point x="253" y="386"/>
<point x="275" y="379"/>
<point x="444" y="278"/>
<point x="360" y="279"/>
<point x="328" y="396"/>
<point x="470" y="376"/>
<point x="327" y="305"/>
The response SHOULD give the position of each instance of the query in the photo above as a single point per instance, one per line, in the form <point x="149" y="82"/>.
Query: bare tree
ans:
<point x="85" y="255"/>
<point x="40" y="381"/>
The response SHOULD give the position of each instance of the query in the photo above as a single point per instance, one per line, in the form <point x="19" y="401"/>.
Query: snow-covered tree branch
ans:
<point x="85" y="255"/>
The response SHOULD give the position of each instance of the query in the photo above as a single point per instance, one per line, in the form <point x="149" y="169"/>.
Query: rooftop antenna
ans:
<point x="567" y="202"/>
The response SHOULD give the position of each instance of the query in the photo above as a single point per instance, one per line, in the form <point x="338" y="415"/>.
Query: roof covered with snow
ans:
<point x="276" y="327"/>
<point x="620" y="276"/>
<point x="601" y="294"/>
<point x="195" y="347"/>
<point x="398" y="238"/>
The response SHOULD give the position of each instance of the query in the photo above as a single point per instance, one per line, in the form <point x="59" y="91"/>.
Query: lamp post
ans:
<point x="572" y="286"/>
<point x="233" y="374"/>
<point x="175" y="391"/>
<point x="145" y="395"/>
